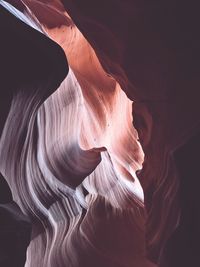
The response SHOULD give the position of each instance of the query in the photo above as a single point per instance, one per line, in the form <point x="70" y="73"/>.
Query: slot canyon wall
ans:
<point x="99" y="148"/>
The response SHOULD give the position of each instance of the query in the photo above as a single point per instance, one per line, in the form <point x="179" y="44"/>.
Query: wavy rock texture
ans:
<point x="73" y="161"/>
<point x="69" y="148"/>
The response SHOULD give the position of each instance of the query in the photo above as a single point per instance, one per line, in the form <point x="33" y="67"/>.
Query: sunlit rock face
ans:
<point x="91" y="152"/>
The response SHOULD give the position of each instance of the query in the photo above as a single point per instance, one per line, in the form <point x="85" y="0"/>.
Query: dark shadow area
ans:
<point x="182" y="249"/>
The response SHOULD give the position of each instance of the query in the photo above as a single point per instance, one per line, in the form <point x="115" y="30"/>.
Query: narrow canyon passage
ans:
<point x="92" y="128"/>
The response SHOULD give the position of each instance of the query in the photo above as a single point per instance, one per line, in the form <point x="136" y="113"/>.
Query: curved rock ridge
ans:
<point x="152" y="50"/>
<point x="104" y="162"/>
<point x="71" y="160"/>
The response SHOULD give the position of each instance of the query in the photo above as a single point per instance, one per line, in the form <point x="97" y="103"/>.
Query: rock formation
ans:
<point x="98" y="153"/>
